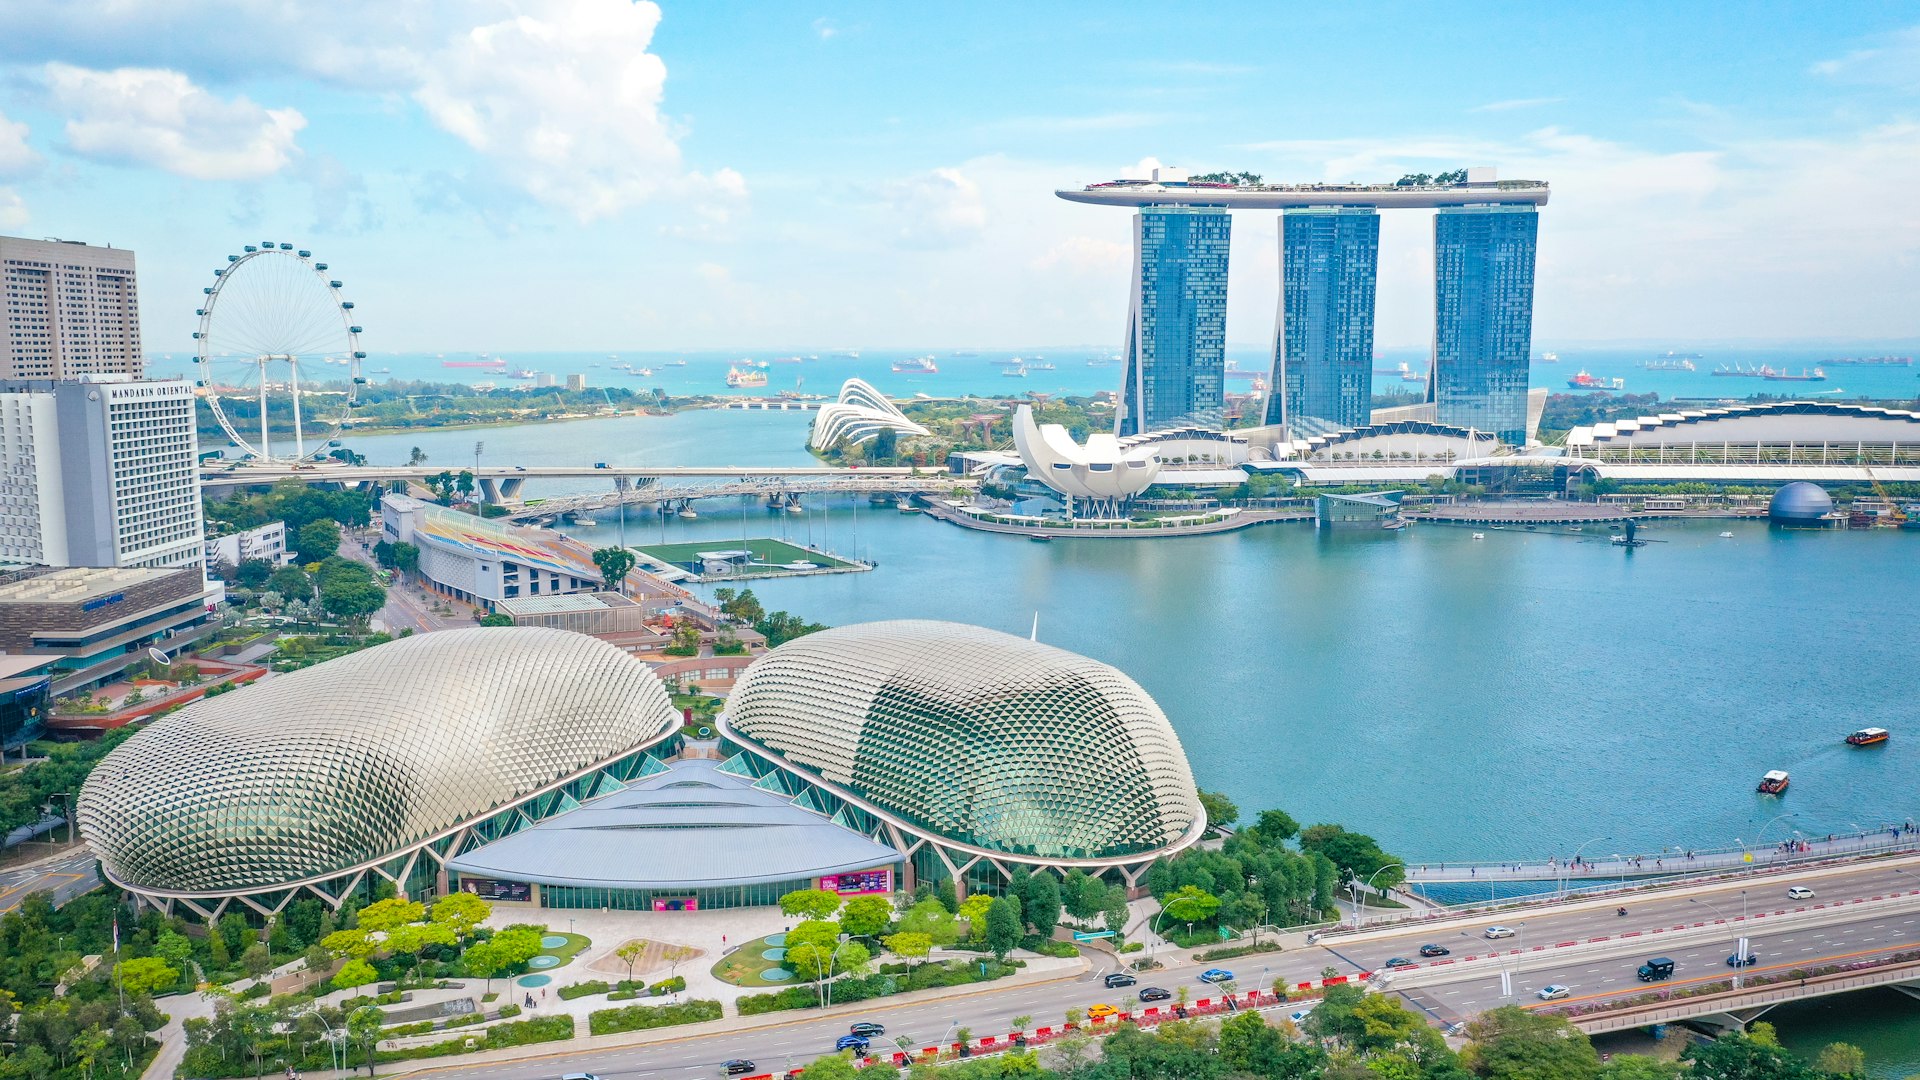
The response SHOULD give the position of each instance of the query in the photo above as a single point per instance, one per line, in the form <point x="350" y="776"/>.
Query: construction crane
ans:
<point x="1894" y="515"/>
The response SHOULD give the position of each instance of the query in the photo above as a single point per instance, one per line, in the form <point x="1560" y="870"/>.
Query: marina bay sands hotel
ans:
<point x="1485" y="232"/>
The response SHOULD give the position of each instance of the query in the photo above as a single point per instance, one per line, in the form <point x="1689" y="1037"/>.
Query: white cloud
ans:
<point x="13" y="209"/>
<point x="713" y="274"/>
<point x="16" y="157"/>
<point x="564" y="99"/>
<point x="1085" y="255"/>
<point x="159" y="118"/>
<point x="939" y="208"/>
<point x="825" y="28"/>
<point x="1895" y="62"/>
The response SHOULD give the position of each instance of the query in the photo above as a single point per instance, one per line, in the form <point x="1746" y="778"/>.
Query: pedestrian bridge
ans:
<point x="1668" y="863"/>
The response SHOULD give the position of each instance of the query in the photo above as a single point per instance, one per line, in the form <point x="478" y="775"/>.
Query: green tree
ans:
<point x="495" y="618"/>
<point x="1510" y="1043"/>
<point x="832" y="1067"/>
<point x="1190" y="904"/>
<point x="483" y="960"/>
<point x="1354" y="852"/>
<point x="253" y="573"/>
<point x="147" y="975"/>
<point x="1276" y="827"/>
<point x="363" y="1027"/>
<point x="1003" y="926"/>
<point x="930" y="918"/>
<point x="256" y="960"/>
<point x="614" y="564"/>
<point x="354" y="973"/>
<point x="909" y="946"/>
<point x="866" y="916"/>
<point x="973" y="911"/>
<point x="175" y="949"/>
<point x="1743" y="1057"/>
<point x="630" y="954"/>
<point x="810" y="904"/>
<point x="317" y="540"/>
<point x="1640" y="1067"/>
<point x="383" y="915"/>
<point x="1842" y="1059"/>
<point x="351" y="598"/>
<point x="1040" y="903"/>
<point x="945" y="893"/>
<point x="461" y="911"/>
<point x="1220" y="809"/>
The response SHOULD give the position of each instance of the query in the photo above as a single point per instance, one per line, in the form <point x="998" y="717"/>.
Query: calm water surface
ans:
<point x="1504" y="698"/>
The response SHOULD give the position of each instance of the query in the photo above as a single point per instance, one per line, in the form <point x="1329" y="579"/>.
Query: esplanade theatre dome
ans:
<point x="317" y="772"/>
<point x="975" y="737"/>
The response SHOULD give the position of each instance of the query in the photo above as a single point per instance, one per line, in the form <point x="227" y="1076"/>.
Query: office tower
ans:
<point x="71" y="310"/>
<point x="1176" y="351"/>
<point x="1323" y="337"/>
<point x="1483" y="316"/>
<point x="100" y="472"/>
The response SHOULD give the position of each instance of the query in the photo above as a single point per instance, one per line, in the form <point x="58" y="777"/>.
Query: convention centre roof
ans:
<point x="316" y="772"/>
<point x="692" y="827"/>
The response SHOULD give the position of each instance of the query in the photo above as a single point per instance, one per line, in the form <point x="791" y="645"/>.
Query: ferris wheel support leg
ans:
<point x="299" y="439"/>
<point x="266" y="452"/>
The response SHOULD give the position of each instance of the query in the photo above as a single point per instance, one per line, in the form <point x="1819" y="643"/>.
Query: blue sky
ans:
<point x="507" y="175"/>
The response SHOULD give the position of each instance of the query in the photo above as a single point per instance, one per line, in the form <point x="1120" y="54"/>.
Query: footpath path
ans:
<point x="1890" y="839"/>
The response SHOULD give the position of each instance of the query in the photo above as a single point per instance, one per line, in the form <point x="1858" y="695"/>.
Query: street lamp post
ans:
<point x="832" y="959"/>
<point x="66" y="800"/>
<point x="1360" y="899"/>
<point x="1566" y="872"/>
<point x="1739" y="938"/>
<point x="1755" y="864"/>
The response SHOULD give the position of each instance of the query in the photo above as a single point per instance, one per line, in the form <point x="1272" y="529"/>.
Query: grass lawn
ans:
<point x="566" y="953"/>
<point x="746" y="966"/>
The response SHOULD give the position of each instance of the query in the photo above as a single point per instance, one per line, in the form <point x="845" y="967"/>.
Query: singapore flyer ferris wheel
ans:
<point x="278" y="353"/>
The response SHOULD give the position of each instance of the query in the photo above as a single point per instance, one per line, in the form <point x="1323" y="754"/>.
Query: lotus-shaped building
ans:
<point x="1104" y="472"/>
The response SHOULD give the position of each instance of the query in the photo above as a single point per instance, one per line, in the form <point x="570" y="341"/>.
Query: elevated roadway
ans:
<point x="1447" y="994"/>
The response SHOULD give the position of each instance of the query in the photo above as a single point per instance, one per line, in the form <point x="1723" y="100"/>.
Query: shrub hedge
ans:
<point x="639" y="1017"/>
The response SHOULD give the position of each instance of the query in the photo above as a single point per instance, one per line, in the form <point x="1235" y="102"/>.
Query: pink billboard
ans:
<point x="864" y="883"/>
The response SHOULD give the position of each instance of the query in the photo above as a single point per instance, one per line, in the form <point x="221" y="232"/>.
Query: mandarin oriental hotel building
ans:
<point x="537" y="765"/>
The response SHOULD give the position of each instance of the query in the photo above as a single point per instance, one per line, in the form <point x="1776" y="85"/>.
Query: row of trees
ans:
<point x="778" y="627"/>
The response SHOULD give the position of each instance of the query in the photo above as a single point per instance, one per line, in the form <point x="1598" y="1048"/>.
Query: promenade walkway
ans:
<point x="1589" y="867"/>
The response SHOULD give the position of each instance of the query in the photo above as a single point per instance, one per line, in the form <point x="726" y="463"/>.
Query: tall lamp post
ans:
<point x="1739" y="937"/>
<point x="66" y="800"/>
<point x="1755" y="864"/>
<point x="1566" y="872"/>
<point x="1360" y="898"/>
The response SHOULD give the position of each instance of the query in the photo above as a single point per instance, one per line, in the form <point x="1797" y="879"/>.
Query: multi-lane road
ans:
<point x="1451" y="992"/>
<point x="65" y="877"/>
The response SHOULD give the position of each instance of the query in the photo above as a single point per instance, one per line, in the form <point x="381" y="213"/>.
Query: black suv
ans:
<point x="1154" y="993"/>
<point x="867" y="1029"/>
<point x="1119" y="978"/>
<point x="1434" y="950"/>
<point x="739" y="1067"/>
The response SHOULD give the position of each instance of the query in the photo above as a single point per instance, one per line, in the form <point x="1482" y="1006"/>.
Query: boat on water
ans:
<point x="1012" y="362"/>
<point x="1039" y="539"/>
<point x="1018" y="371"/>
<point x="688" y="513"/>
<point x="642" y="372"/>
<point x="1774" y="783"/>
<point x="1726" y="536"/>
<point x="1549" y="357"/>
<point x="745" y="378"/>
<point x="524" y="373"/>
<point x="1741" y="371"/>
<point x="1400" y="369"/>
<point x="1479" y="536"/>
<point x="1413" y="376"/>
<point x="674" y="363"/>
<point x="1044" y="365"/>
<point x="1664" y="364"/>
<point x="922" y="365"/>
<point x="1815" y="375"/>
<point x="788" y="360"/>
<point x="1584" y="381"/>
<point x="1869" y="736"/>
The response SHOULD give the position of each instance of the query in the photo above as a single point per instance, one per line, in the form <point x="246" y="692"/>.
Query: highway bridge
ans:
<point x="1667" y="862"/>
<point x="1864" y="919"/>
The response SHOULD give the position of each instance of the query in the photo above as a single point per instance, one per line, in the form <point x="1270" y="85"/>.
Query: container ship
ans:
<point x="1816" y="375"/>
<point x="1738" y="371"/>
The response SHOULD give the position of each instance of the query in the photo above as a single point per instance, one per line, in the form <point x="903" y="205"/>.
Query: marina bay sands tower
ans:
<point x="1485" y="234"/>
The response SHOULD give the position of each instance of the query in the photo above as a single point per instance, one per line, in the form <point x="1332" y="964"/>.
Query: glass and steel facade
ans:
<point x="1483" y="316"/>
<point x="319" y="775"/>
<point x="978" y="741"/>
<point x="1323" y="340"/>
<point x="1176" y="339"/>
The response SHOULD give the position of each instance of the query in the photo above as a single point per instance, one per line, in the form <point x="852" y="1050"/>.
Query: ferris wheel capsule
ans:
<point x="250" y="250"/>
<point x="306" y="254"/>
<point x="233" y="258"/>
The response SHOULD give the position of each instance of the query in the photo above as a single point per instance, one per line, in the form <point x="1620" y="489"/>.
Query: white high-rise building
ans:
<point x="100" y="471"/>
<point x="70" y="310"/>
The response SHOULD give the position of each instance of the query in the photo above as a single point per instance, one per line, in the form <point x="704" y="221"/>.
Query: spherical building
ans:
<point x="983" y="744"/>
<point x="366" y="763"/>
<point x="1800" y="503"/>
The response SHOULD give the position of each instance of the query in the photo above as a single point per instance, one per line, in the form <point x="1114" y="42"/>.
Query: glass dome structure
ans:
<point x="977" y="738"/>
<point x="320" y="772"/>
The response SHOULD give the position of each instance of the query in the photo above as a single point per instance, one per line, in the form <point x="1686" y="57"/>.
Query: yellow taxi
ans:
<point x="1101" y="1012"/>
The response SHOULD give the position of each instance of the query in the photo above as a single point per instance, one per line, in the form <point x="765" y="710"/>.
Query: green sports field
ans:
<point x="775" y="552"/>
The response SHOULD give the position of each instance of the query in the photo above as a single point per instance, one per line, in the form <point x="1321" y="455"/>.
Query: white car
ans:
<point x="1494" y="933"/>
<point x="1799" y="892"/>
<point x="1553" y="992"/>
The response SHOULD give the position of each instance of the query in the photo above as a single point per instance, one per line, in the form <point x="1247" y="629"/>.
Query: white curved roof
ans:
<point x="1800" y="423"/>
<point x="861" y="413"/>
<point x="1102" y="469"/>
<point x="313" y="773"/>
<point x="975" y="737"/>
